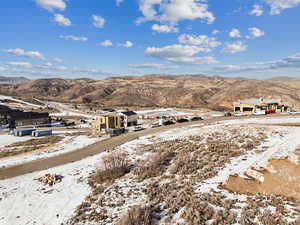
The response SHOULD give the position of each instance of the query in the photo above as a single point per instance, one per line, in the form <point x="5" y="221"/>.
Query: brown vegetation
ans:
<point x="154" y="166"/>
<point x="29" y="145"/>
<point x="116" y="165"/>
<point x="137" y="215"/>
<point x="181" y="91"/>
<point x="37" y="141"/>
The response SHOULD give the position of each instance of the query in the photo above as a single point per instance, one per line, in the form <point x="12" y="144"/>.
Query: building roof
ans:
<point x="19" y="115"/>
<point x="261" y="101"/>
<point x="129" y="113"/>
<point x="4" y="108"/>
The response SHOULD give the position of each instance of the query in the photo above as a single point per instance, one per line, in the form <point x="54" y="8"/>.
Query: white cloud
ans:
<point x="73" y="38"/>
<point x="164" y="28"/>
<point x="235" y="33"/>
<point x="257" y="10"/>
<point x="22" y="52"/>
<point x="98" y="21"/>
<point x="202" y="41"/>
<point x="106" y="43"/>
<point x="52" y="5"/>
<point x="119" y="2"/>
<point x="19" y="64"/>
<point x="127" y="44"/>
<point x="214" y="32"/>
<point x="58" y="60"/>
<point x="255" y="33"/>
<point x="62" y="21"/>
<point x="235" y="47"/>
<point x="195" y="60"/>
<point x="153" y="66"/>
<point x="279" y="5"/>
<point x="181" y="54"/>
<point x="173" y="11"/>
<point x="291" y="62"/>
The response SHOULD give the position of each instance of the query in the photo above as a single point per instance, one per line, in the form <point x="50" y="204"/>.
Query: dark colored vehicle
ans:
<point x="196" y="118"/>
<point x="227" y="114"/>
<point x="168" y="122"/>
<point x="182" y="120"/>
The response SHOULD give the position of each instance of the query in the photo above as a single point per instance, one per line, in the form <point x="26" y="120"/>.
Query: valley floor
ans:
<point x="181" y="177"/>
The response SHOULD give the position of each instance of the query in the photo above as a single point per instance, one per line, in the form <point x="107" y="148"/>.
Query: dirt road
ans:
<point x="43" y="164"/>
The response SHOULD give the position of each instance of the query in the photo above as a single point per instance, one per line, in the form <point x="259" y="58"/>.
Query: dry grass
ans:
<point x="73" y="134"/>
<point x="116" y="165"/>
<point x="29" y="145"/>
<point x="37" y="141"/>
<point x="137" y="215"/>
<point x="169" y="180"/>
<point x="155" y="165"/>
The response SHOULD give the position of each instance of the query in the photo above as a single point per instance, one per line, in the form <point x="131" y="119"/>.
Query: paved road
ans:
<point x="43" y="164"/>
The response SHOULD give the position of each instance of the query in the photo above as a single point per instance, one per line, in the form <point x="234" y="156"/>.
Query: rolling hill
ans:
<point x="158" y="90"/>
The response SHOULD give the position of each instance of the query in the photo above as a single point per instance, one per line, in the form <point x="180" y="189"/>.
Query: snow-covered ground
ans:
<point x="6" y="139"/>
<point x="24" y="200"/>
<point x="67" y="145"/>
<point x="3" y="97"/>
<point x="65" y="110"/>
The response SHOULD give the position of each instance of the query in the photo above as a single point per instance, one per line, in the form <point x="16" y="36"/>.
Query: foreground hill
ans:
<point x="158" y="90"/>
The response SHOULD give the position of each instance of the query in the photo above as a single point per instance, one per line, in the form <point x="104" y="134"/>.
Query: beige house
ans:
<point x="107" y="121"/>
<point x="250" y="106"/>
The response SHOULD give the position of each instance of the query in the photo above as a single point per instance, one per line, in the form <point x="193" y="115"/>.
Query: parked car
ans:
<point x="138" y="128"/>
<point x="155" y="125"/>
<point x="168" y="122"/>
<point x="196" y="118"/>
<point x="259" y="113"/>
<point x="240" y="114"/>
<point x="294" y="112"/>
<point x="227" y="114"/>
<point x="182" y="121"/>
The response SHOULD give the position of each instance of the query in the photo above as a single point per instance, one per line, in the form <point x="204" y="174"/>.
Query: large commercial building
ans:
<point x="15" y="117"/>
<point x="250" y="106"/>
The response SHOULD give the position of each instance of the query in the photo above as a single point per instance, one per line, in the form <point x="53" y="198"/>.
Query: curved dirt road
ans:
<point x="102" y="146"/>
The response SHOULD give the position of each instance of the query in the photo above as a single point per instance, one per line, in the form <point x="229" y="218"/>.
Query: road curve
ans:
<point x="94" y="149"/>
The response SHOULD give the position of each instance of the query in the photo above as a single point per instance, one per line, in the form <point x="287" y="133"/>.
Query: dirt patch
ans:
<point x="29" y="145"/>
<point x="284" y="124"/>
<point x="284" y="182"/>
<point x="73" y="134"/>
<point x="37" y="141"/>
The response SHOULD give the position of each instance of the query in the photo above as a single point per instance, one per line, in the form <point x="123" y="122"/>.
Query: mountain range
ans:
<point x="195" y="91"/>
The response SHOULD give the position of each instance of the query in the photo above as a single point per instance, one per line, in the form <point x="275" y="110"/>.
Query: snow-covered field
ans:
<point x="23" y="200"/>
<point x="21" y="103"/>
<point x="68" y="144"/>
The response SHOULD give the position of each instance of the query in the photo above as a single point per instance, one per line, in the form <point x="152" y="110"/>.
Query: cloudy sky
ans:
<point x="102" y="38"/>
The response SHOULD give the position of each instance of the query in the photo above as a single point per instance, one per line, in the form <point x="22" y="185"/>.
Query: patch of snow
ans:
<point x="6" y="139"/>
<point x="3" y="97"/>
<point x="67" y="145"/>
<point x="25" y="200"/>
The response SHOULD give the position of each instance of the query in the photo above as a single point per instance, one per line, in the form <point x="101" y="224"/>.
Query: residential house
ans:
<point x="130" y="118"/>
<point x="107" y="121"/>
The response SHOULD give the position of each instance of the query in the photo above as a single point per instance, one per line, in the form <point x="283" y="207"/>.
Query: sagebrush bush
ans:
<point x="155" y="165"/>
<point x="137" y="215"/>
<point x="115" y="165"/>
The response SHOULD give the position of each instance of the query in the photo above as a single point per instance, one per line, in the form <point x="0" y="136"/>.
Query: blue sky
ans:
<point x="102" y="38"/>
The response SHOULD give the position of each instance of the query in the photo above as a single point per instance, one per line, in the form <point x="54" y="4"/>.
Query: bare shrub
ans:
<point x="137" y="215"/>
<point x="115" y="165"/>
<point x="155" y="166"/>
